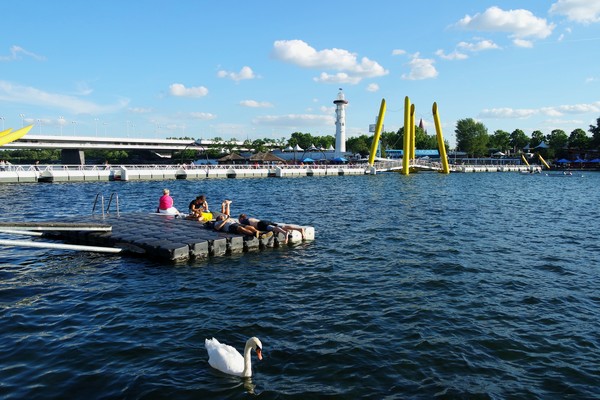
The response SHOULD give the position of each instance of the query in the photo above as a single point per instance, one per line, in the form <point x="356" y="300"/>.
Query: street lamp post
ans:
<point x="22" y="119"/>
<point x="61" y="122"/>
<point x="74" y="123"/>
<point x="2" y="118"/>
<point x="39" y="121"/>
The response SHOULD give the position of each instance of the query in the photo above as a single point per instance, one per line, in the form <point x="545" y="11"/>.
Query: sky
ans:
<point x="265" y="69"/>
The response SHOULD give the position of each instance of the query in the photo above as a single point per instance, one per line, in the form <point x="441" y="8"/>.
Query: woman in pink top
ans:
<point x="165" y="204"/>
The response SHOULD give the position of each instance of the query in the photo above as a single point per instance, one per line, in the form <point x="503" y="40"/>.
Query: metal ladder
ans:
<point x="106" y="210"/>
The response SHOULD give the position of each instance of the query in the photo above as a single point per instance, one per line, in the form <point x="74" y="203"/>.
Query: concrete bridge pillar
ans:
<point x="72" y="156"/>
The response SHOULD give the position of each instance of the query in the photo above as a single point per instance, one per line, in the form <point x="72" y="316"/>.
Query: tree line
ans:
<point x="472" y="138"/>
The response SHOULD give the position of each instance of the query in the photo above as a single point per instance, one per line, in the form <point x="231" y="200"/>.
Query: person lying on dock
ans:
<point x="165" y="204"/>
<point x="264" y="225"/>
<point x="227" y="224"/>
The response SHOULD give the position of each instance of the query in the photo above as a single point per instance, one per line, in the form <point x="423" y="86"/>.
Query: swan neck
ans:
<point x="247" y="361"/>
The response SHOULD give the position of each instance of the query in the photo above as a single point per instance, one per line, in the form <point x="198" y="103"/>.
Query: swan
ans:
<point x="228" y="360"/>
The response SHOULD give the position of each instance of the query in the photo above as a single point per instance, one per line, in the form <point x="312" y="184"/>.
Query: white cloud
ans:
<point x="340" y="77"/>
<point x="299" y="53"/>
<point x="202" y="115"/>
<point x="517" y="23"/>
<point x="244" y="74"/>
<point x="591" y="79"/>
<point x="581" y="11"/>
<point x="17" y="51"/>
<point x="420" y="68"/>
<point x="295" y="120"/>
<point x="455" y="55"/>
<point x="506" y="113"/>
<point x="179" y="90"/>
<point x="554" y="111"/>
<point x="373" y="87"/>
<point x="523" y="43"/>
<point x="11" y="93"/>
<point x="255" y="104"/>
<point x="398" y="52"/>
<point x="478" y="46"/>
<point x="140" y="110"/>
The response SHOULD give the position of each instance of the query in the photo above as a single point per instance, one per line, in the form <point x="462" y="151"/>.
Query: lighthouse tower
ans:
<point x="340" y="124"/>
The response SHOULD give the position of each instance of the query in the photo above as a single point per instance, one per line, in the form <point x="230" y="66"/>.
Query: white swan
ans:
<point x="228" y="360"/>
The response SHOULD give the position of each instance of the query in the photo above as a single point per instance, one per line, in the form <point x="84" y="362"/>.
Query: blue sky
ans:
<point x="265" y="69"/>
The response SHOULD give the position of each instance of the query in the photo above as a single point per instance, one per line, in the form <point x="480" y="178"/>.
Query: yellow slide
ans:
<point x="8" y="136"/>
<point x="5" y="132"/>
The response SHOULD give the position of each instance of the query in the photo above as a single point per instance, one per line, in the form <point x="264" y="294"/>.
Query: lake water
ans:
<point x="446" y="286"/>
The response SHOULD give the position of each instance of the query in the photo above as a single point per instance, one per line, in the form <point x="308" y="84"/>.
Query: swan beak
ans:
<point x="259" y="353"/>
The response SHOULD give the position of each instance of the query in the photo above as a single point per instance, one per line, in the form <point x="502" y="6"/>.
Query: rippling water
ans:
<point x="459" y="286"/>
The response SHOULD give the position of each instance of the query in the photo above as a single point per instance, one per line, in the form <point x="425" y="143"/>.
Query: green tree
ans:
<point x="360" y="144"/>
<point x="260" y="146"/>
<point x="595" y="131"/>
<point x="471" y="137"/>
<point x="537" y="137"/>
<point x="323" y="142"/>
<point x="557" y="141"/>
<point x="518" y="140"/>
<point x="304" y="140"/>
<point x="500" y="140"/>
<point x="579" y="139"/>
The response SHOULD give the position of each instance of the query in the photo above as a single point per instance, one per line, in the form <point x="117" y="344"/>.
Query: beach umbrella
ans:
<point x="308" y="160"/>
<point x="339" y="159"/>
<point x="563" y="161"/>
<point x="596" y="160"/>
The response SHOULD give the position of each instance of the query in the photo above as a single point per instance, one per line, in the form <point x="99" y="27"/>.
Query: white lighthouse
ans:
<point x="340" y="124"/>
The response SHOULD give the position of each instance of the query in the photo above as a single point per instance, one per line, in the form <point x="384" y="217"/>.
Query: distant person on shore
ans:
<point x="165" y="204"/>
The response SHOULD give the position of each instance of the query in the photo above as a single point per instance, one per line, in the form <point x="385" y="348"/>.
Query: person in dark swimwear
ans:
<point x="227" y="224"/>
<point x="269" y="226"/>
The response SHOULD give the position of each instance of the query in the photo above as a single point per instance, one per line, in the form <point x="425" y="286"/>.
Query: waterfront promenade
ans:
<point x="82" y="173"/>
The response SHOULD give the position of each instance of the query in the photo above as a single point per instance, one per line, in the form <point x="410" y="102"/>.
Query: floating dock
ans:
<point x="152" y="235"/>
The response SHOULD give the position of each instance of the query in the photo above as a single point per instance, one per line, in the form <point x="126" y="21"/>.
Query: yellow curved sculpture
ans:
<point x="377" y="133"/>
<point x="413" y="137"/>
<point x="440" y="140"/>
<point x="12" y="136"/>
<point x="5" y="132"/>
<point x="406" y="146"/>
<point x="543" y="161"/>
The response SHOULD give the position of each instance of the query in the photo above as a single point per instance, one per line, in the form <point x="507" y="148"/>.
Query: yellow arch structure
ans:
<point x="12" y="136"/>
<point x="524" y="160"/>
<point x="377" y="133"/>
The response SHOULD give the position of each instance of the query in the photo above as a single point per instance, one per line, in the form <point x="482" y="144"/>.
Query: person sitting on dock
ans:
<point x="264" y="225"/>
<point x="165" y="204"/>
<point x="197" y="207"/>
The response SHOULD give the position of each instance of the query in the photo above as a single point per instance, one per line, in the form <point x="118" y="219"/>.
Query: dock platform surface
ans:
<point x="168" y="238"/>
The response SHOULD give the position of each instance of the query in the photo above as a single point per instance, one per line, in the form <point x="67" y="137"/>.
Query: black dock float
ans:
<point x="162" y="236"/>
